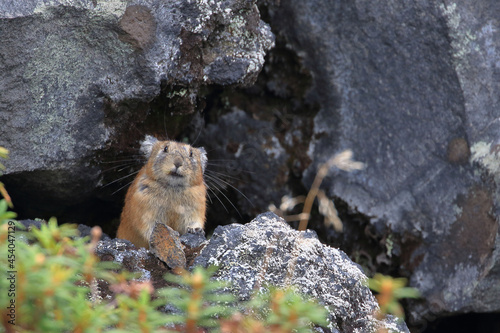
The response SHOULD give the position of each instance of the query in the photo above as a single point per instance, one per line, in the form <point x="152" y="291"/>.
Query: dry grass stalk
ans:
<point x="342" y="161"/>
<point x="327" y="209"/>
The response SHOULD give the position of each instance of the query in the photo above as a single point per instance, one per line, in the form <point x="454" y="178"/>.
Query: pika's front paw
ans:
<point x="196" y="231"/>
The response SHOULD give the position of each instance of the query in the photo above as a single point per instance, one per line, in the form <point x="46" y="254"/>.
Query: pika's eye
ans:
<point x="190" y="153"/>
<point x="165" y="149"/>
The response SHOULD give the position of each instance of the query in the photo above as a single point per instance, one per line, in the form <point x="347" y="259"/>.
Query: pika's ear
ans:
<point x="203" y="158"/>
<point x="147" y="145"/>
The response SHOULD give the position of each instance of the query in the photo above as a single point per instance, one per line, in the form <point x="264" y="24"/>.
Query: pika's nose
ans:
<point x="178" y="161"/>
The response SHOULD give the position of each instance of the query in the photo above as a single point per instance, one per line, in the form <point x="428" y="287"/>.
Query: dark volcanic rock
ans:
<point x="253" y="160"/>
<point x="83" y="230"/>
<point x="411" y="89"/>
<point x="75" y="74"/>
<point x="267" y="251"/>
<point x="134" y="260"/>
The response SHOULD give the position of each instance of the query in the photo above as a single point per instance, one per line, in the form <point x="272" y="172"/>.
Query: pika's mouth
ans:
<point x="175" y="174"/>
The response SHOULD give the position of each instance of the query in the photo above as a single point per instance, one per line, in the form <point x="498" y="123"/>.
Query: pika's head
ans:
<point x="174" y="163"/>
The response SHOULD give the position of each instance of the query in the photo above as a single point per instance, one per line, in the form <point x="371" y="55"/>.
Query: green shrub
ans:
<point x="389" y="292"/>
<point x="285" y="310"/>
<point x="51" y="287"/>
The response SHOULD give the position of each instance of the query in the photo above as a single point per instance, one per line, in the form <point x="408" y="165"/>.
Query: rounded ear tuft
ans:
<point x="203" y="158"/>
<point x="147" y="145"/>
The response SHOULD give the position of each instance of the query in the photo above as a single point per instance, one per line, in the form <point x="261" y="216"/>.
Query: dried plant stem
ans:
<point x="342" y="161"/>
<point x="313" y="192"/>
<point x="6" y="196"/>
<point x="297" y="217"/>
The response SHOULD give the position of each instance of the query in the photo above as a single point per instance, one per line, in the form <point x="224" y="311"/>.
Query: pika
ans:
<point x="169" y="189"/>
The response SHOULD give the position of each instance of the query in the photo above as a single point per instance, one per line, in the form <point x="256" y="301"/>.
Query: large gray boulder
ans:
<point x="75" y="76"/>
<point x="268" y="252"/>
<point x="411" y="88"/>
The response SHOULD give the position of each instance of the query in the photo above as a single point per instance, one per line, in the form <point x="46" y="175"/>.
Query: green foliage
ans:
<point x="136" y="310"/>
<point x="288" y="310"/>
<point x="200" y="300"/>
<point x="51" y="278"/>
<point x="389" y="291"/>
<point x="54" y="289"/>
<point x="4" y="153"/>
<point x="5" y="214"/>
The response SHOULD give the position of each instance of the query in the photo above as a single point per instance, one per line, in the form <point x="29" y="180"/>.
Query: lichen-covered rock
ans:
<point x="83" y="230"/>
<point x="166" y="246"/>
<point x="75" y="73"/>
<point x="151" y="265"/>
<point x="133" y="260"/>
<point x="417" y="103"/>
<point x="267" y="251"/>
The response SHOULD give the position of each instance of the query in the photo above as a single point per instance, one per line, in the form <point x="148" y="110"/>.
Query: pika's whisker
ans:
<point x="120" y="167"/>
<point x="121" y="178"/>
<point x="209" y="198"/>
<point x="220" y="174"/>
<point x="215" y="195"/>
<point x="221" y="192"/>
<point x="213" y="180"/>
<point x="121" y="188"/>
<point x="197" y="137"/>
<point x="222" y="160"/>
<point x="225" y="165"/>
<point x="124" y="160"/>
<point x="230" y="185"/>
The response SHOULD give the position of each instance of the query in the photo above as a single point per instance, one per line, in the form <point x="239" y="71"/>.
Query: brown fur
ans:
<point x="168" y="189"/>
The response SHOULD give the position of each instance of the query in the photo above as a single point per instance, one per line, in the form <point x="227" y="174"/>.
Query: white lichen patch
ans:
<point x="461" y="285"/>
<point x="487" y="156"/>
<point x="235" y="44"/>
<point x="486" y="35"/>
<point x="482" y="153"/>
<point x="457" y="209"/>
<point x="207" y="8"/>
<point x="462" y="38"/>
<point x="111" y="7"/>
<point x="103" y="7"/>
<point x="273" y="148"/>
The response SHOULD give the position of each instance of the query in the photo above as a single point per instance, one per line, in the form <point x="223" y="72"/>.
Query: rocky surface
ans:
<point x="133" y="260"/>
<point x="267" y="251"/>
<point x="166" y="246"/>
<point x="83" y="230"/>
<point x="410" y="88"/>
<point x="152" y="264"/>
<point x="76" y="74"/>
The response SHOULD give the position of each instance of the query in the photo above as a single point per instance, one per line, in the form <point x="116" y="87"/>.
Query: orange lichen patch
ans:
<point x="165" y="245"/>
